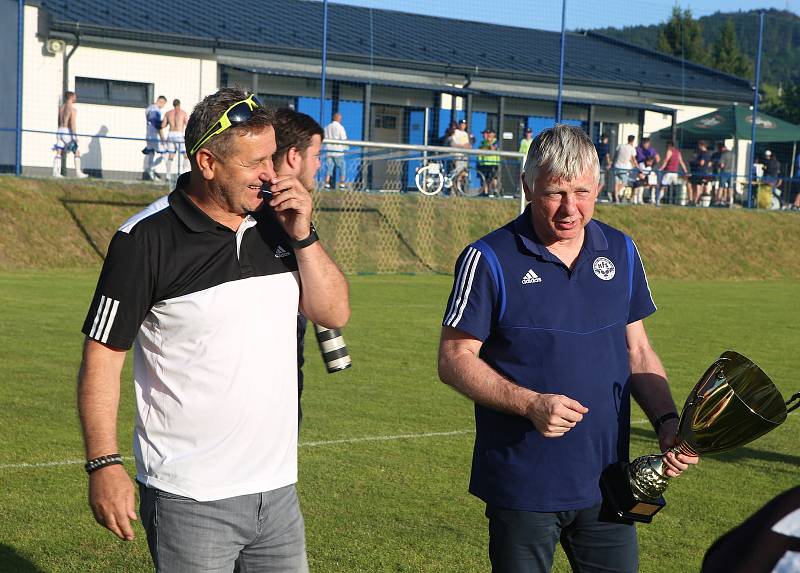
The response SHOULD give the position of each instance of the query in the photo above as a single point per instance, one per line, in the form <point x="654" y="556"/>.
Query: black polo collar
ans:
<point x="190" y="214"/>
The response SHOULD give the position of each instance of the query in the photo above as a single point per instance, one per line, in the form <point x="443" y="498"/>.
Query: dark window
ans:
<point x="113" y="92"/>
<point x="275" y="102"/>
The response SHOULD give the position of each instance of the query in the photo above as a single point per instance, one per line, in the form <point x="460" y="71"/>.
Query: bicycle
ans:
<point x="431" y="178"/>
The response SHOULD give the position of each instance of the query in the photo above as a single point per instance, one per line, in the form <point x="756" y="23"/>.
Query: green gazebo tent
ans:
<point x="736" y="122"/>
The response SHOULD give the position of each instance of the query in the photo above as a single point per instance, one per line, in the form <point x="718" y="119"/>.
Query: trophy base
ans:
<point x="619" y="500"/>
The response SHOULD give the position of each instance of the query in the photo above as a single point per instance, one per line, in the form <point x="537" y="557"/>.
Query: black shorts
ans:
<point x="701" y="179"/>
<point x="488" y="171"/>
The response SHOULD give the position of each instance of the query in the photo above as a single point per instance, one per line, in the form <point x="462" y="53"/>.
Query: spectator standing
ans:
<point x="544" y="332"/>
<point x="216" y="433"/>
<point x="154" y="143"/>
<point x="795" y="206"/>
<point x="700" y="166"/>
<point x="772" y="173"/>
<point x="462" y="140"/>
<point x="67" y="138"/>
<point x="298" y="140"/>
<point x="722" y="161"/>
<point x="175" y="123"/>
<point x="669" y="169"/>
<point x="447" y="141"/>
<point x="447" y="138"/>
<point x="624" y="163"/>
<point x="489" y="164"/>
<point x="604" y="157"/>
<point x="644" y="150"/>
<point x="525" y="143"/>
<point x="334" y="152"/>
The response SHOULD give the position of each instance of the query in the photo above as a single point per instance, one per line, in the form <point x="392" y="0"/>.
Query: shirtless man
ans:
<point x="66" y="140"/>
<point x="175" y="119"/>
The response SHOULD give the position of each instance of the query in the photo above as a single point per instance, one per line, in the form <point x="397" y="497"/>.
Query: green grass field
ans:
<point x="385" y="448"/>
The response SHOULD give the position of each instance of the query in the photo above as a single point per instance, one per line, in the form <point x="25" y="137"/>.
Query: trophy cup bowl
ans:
<point x="732" y="404"/>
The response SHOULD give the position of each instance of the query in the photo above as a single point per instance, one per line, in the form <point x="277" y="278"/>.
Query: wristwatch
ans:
<point x="302" y="243"/>
<point x="661" y="419"/>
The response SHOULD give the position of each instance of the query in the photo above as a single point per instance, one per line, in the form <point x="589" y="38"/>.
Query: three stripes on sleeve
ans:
<point x="463" y="287"/>
<point x="104" y="319"/>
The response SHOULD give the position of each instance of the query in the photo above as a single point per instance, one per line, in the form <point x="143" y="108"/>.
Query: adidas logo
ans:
<point x="280" y="252"/>
<point x="531" y="277"/>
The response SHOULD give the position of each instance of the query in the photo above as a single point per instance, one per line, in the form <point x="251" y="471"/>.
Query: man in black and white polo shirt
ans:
<point x="200" y="286"/>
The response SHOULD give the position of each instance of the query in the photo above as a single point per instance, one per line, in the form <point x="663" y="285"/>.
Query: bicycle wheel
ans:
<point x="470" y="183"/>
<point x="429" y="179"/>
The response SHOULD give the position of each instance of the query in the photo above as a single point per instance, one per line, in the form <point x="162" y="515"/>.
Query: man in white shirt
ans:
<point x="461" y="139"/>
<point x="334" y="152"/>
<point x="624" y="163"/>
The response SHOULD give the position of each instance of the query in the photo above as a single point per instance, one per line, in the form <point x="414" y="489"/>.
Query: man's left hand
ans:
<point x="667" y="437"/>
<point x="292" y="205"/>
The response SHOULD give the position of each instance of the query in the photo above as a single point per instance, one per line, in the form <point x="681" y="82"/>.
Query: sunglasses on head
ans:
<point x="235" y="115"/>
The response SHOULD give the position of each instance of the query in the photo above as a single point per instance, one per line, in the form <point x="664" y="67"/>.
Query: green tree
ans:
<point x="783" y="103"/>
<point x="682" y="36"/>
<point x="727" y="56"/>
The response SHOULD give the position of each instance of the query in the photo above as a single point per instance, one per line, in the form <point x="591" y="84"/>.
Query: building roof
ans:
<point x="398" y="39"/>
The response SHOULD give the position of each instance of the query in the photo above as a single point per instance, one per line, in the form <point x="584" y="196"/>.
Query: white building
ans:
<point x="395" y="77"/>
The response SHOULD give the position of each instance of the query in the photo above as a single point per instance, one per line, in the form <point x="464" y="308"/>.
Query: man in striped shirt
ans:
<point x="544" y="331"/>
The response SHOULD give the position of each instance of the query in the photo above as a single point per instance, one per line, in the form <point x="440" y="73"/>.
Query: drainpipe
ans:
<point x="20" y="32"/>
<point x="65" y="81"/>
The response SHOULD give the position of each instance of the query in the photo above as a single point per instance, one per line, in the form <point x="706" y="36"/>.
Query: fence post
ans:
<point x="561" y="60"/>
<point x="324" y="61"/>
<point x="755" y="110"/>
<point x="20" y="44"/>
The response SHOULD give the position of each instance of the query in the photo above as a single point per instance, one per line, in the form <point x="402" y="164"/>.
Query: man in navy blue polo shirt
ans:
<point x="543" y="330"/>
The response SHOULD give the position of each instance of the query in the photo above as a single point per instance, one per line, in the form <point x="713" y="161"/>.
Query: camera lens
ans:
<point x="333" y="349"/>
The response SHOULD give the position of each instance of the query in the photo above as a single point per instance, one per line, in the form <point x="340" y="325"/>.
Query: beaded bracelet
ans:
<point x="102" y="461"/>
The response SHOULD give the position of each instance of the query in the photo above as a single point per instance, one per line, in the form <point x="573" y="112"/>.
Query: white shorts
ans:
<point x="65" y="140"/>
<point x="669" y="179"/>
<point x="176" y="142"/>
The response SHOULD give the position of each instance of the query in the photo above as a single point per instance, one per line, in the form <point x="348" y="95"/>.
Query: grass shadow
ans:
<point x="734" y="456"/>
<point x="68" y="206"/>
<point x="13" y="561"/>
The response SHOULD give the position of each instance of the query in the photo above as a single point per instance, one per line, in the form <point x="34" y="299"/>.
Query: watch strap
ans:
<point x="302" y="243"/>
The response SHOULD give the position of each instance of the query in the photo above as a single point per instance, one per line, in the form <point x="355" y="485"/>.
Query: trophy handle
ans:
<point x="795" y="398"/>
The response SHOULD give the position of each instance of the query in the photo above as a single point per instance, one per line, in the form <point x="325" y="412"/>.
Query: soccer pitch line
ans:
<point x="315" y="444"/>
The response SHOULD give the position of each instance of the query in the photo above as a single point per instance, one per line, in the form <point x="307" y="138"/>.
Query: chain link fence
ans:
<point x="379" y="195"/>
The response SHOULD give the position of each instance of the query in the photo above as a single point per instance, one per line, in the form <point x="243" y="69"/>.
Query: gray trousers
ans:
<point x="260" y="532"/>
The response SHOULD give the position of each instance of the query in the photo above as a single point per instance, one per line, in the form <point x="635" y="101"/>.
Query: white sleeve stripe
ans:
<point x="101" y="326"/>
<point x="458" y="290"/>
<point x="110" y="322"/>
<point x="644" y="272"/>
<point x="458" y="285"/>
<point x="97" y="316"/>
<point x="151" y="209"/>
<point x="467" y="290"/>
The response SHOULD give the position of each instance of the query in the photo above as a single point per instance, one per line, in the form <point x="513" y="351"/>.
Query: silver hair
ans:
<point x="563" y="152"/>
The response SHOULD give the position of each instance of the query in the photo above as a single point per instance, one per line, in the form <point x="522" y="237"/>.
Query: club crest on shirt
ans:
<point x="604" y="268"/>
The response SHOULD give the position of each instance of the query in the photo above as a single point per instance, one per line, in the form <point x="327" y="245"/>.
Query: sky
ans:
<point x="581" y="14"/>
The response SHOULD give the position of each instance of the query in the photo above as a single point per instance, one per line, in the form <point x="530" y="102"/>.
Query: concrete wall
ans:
<point x="181" y="77"/>
<point x="655" y="121"/>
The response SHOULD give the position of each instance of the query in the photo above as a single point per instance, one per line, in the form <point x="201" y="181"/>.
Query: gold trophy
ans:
<point x="733" y="404"/>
